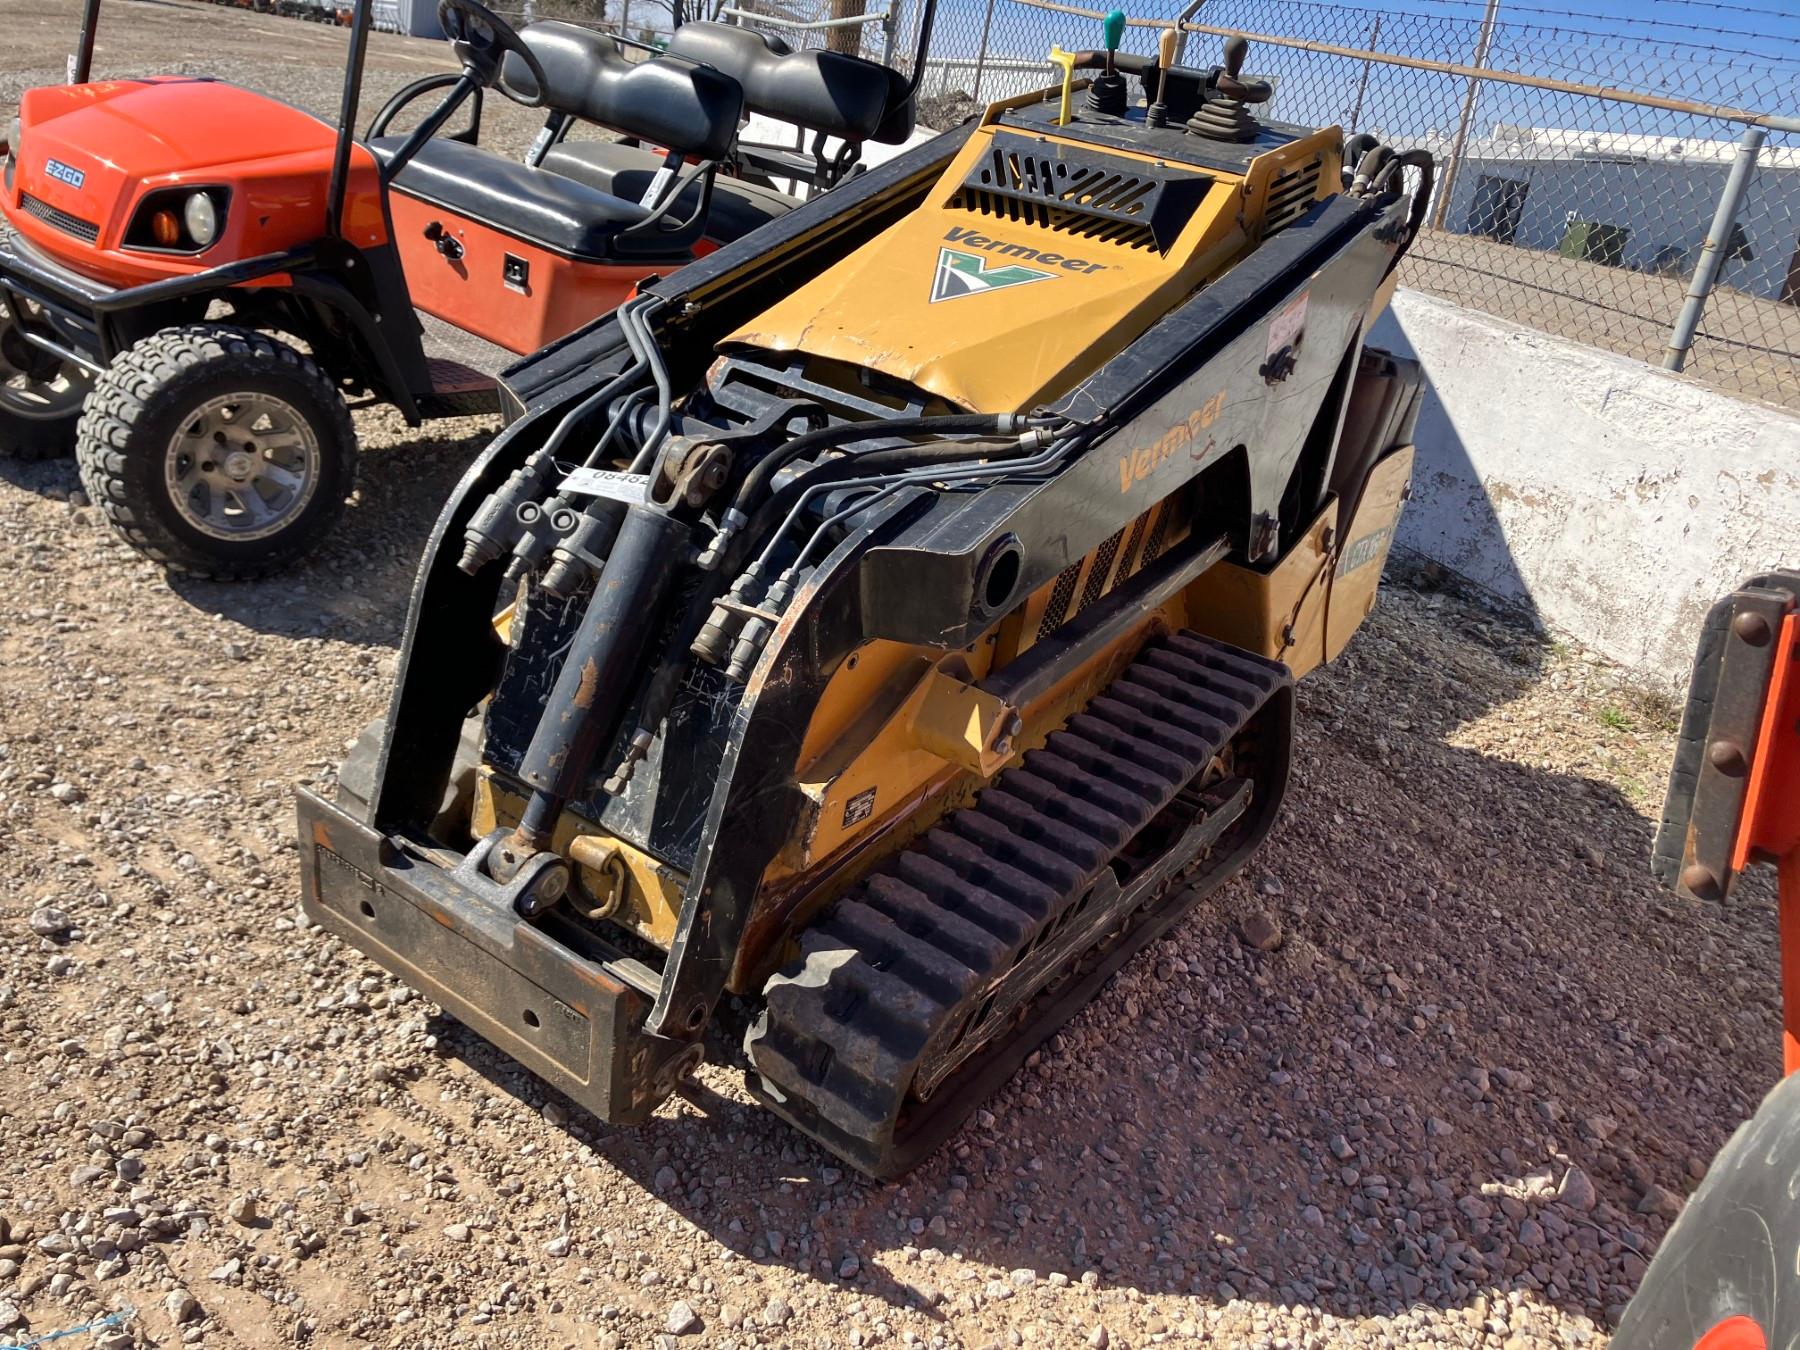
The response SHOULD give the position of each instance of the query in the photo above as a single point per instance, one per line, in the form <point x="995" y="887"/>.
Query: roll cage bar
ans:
<point x="81" y="67"/>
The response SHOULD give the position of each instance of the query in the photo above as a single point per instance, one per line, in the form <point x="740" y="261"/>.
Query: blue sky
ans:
<point x="1742" y="53"/>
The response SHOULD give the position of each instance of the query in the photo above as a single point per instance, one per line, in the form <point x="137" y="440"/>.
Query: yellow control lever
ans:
<point x="1058" y="57"/>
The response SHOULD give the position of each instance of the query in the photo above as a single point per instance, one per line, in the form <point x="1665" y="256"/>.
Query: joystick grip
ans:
<point x="1229" y="84"/>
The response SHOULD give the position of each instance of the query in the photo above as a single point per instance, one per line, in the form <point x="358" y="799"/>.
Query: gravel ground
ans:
<point x="1438" y="1069"/>
<point x="1455" y="1101"/>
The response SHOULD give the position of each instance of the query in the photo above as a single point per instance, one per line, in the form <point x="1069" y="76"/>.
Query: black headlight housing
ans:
<point x="171" y="220"/>
<point x="9" y="150"/>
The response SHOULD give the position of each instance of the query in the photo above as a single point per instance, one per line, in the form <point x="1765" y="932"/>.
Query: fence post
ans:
<point x="1468" y="113"/>
<point x="1362" y="83"/>
<point x="1712" y="252"/>
<point x="1181" y="21"/>
<point x="987" y="24"/>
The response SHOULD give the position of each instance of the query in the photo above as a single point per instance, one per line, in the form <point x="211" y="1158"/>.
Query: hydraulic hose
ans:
<point x="1423" y="161"/>
<point x="645" y="347"/>
<point x="880" y="469"/>
<point x="492" y="531"/>
<point x="756" y="482"/>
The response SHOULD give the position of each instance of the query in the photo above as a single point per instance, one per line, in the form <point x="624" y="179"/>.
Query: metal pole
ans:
<point x="625" y="19"/>
<point x="1468" y="114"/>
<point x="1186" y="16"/>
<point x="353" y="75"/>
<point x="1362" y="83"/>
<point x="987" y="23"/>
<point x="1712" y="252"/>
<point x="83" y="61"/>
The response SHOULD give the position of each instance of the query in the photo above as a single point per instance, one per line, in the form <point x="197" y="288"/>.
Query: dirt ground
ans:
<point x="1746" y="345"/>
<point x="1456" y="1104"/>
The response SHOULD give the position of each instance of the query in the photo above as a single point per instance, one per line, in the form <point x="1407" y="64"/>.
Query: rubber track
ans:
<point x="122" y="398"/>
<point x="909" y="955"/>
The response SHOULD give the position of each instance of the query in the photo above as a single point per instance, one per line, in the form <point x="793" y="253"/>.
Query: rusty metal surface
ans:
<point x="1708" y="782"/>
<point x="574" y="1016"/>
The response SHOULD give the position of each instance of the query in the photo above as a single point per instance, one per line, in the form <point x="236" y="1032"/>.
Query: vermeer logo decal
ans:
<point x="960" y="274"/>
<point x="963" y="271"/>
<point x="62" y="173"/>
<point x="1138" y="465"/>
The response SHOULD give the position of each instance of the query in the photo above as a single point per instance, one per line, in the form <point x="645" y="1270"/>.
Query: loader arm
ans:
<point x="1734" y="790"/>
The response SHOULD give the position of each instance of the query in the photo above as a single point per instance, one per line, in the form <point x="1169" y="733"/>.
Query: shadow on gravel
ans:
<point x="1451" y="516"/>
<point x="52" y="479"/>
<point x="356" y="586"/>
<point x="1472" y="996"/>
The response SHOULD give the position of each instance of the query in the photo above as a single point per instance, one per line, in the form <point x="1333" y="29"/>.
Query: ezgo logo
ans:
<point x="62" y="173"/>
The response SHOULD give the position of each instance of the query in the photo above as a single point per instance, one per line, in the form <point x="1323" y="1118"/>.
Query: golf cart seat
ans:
<point x="841" y="95"/>
<point x="546" y="209"/>
<point x="738" y="206"/>
<point x="687" y="107"/>
<point x="833" y="93"/>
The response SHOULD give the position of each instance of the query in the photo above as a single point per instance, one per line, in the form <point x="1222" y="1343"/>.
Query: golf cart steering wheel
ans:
<point x="482" y="41"/>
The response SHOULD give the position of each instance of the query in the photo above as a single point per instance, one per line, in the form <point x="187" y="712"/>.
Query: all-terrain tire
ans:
<point x="1725" y="1274"/>
<point x="144" y="399"/>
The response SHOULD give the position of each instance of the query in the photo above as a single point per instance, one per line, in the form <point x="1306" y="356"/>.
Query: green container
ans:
<point x="1595" y="241"/>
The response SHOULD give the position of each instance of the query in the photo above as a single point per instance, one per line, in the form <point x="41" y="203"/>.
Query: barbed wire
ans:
<point x="1473" y="26"/>
<point x="1628" y="21"/>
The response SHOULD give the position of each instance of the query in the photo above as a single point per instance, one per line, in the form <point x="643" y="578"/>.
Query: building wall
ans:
<point x="1667" y="208"/>
<point x="1612" y="500"/>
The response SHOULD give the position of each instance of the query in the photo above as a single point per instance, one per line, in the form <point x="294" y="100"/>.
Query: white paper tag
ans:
<point x="620" y="487"/>
<point x="1286" y="328"/>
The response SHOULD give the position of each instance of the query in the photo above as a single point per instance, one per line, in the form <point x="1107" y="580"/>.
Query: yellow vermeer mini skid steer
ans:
<point x="867" y="640"/>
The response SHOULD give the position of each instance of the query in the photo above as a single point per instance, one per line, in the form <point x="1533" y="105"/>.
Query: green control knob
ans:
<point x="1112" y="29"/>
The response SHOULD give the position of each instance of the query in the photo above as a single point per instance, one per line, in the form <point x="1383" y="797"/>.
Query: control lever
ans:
<point x="1107" y="93"/>
<point x="1157" y="115"/>
<point x="1226" y="115"/>
<point x="1228" y="83"/>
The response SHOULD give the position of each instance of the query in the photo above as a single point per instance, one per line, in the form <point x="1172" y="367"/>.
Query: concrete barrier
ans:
<point x="1608" y="500"/>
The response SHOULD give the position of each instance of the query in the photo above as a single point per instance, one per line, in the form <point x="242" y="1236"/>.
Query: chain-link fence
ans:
<point x="877" y="29"/>
<point x="1578" y="213"/>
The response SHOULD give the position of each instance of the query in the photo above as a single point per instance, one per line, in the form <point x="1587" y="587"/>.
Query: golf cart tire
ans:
<point x="135" y="409"/>
<point x="25" y="438"/>
<point x="35" y="438"/>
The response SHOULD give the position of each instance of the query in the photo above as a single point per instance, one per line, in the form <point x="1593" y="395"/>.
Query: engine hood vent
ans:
<point x="1291" y="195"/>
<point x="1082" y="192"/>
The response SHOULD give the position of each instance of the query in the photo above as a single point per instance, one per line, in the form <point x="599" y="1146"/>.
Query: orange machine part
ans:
<point x="471" y="291"/>
<point x="1734" y="1333"/>
<point x="1790" y="962"/>
<point x="1771" y="822"/>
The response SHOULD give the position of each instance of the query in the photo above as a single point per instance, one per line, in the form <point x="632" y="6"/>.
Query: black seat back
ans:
<point x="840" y="95"/>
<point x="684" y="107"/>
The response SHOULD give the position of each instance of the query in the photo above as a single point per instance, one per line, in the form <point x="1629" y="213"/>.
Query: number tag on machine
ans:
<point x="620" y="487"/>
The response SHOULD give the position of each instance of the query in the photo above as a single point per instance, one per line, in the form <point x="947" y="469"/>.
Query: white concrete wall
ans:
<point x="1613" y="500"/>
